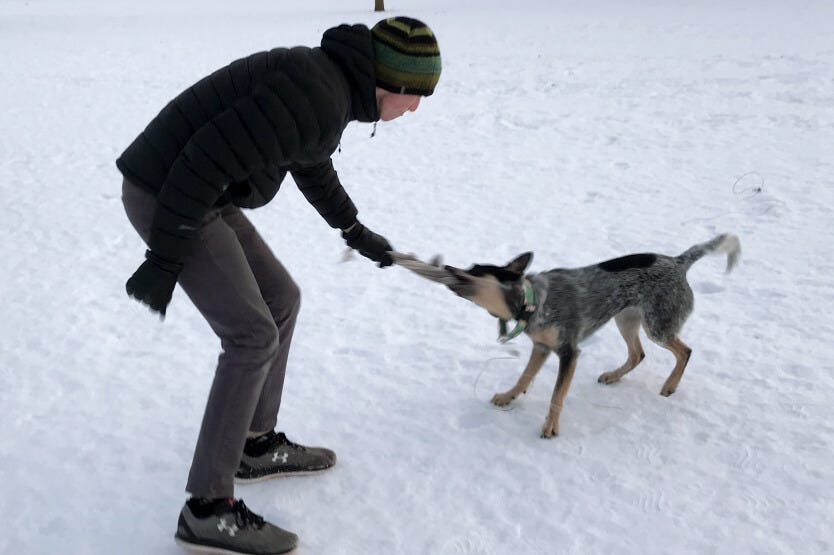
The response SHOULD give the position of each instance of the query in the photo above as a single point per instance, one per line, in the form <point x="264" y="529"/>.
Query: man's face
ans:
<point x="392" y="105"/>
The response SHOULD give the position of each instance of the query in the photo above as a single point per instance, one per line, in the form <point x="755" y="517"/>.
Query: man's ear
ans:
<point x="520" y="263"/>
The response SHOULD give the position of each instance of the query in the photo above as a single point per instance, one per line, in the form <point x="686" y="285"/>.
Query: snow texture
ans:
<point x="578" y="130"/>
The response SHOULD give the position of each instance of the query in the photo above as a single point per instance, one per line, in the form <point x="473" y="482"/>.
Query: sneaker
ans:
<point x="228" y="526"/>
<point x="272" y="455"/>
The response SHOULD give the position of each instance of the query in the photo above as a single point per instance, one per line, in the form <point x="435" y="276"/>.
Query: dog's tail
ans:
<point x="725" y="243"/>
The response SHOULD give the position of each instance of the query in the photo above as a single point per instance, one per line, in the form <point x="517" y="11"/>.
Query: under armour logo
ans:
<point x="282" y="457"/>
<point x="222" y="526"/>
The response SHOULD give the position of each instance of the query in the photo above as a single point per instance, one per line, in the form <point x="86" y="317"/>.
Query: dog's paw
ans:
<point x="502" y="399"/>
<point x="666" y="391"/>
<point x="551" y="428"/>
<point x="609" y="377"/>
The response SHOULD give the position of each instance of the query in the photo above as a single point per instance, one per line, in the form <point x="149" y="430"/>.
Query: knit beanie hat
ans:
<point x="406" y="56"/>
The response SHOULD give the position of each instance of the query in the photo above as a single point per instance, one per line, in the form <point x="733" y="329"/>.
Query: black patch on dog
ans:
<point x="500" y="273"/>
<point x="629" y="262"/>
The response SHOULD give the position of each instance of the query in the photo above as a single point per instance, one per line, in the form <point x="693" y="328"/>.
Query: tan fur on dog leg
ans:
<point x="537" y="358"/>
<point x="628" y="322"/>
<point x="567" y="365"/>
<point x="682" y="353"/>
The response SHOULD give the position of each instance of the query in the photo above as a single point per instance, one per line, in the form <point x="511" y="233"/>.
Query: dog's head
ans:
<point x="487" y="285"/>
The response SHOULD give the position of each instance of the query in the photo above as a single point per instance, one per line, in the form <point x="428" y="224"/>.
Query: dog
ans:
<point x="559" y="308"/>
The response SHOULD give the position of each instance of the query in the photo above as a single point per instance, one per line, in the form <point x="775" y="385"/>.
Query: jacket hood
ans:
<point x="351" y="48"/>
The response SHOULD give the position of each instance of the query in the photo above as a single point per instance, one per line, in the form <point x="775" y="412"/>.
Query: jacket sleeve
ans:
<point x="320" y="185"/>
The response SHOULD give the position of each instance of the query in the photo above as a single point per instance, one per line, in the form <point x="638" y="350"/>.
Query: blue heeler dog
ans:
<point x="559" y="308"/>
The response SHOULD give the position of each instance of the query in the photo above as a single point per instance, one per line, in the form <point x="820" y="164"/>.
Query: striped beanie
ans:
<point x="406" y="56"/>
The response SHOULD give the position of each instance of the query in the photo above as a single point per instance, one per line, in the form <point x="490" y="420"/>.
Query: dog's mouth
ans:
<point x="462" y="289"/>
<point x="479" y="284"/>
<point x="454" y="278"/>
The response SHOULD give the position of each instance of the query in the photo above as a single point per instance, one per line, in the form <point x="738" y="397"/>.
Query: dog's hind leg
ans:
<point x="628" y="322"/>
<point x="537" y="358"/>
<point x="567" y="364"/>
<point x="682" y="353"/>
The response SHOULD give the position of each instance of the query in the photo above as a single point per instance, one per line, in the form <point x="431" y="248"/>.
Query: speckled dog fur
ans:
<point x="571" y="304"/>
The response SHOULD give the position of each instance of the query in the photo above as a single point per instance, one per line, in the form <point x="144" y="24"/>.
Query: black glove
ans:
<point x="369" y="244"/>
<point x="153" y="283"/>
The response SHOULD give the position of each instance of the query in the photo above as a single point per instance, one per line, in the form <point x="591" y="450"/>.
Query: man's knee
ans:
<point x="287" y="305"/>
<point x="254" y="346"/>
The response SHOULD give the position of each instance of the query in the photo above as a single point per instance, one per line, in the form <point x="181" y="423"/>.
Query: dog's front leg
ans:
<point x="537" y="358"/>
<point x="567" y="364"/>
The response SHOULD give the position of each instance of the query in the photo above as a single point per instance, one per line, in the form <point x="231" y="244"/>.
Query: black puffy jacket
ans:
<point x="233" y="136"/>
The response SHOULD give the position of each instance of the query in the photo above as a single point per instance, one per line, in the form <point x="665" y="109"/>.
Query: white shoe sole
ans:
<point x="280" y="475"/>
<point x="197" y="548"/>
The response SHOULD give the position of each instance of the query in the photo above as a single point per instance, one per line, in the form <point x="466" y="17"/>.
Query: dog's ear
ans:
<point x="520" y="263"/>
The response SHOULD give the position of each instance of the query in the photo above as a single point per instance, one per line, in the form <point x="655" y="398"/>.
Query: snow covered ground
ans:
<point x="579" y="130"/>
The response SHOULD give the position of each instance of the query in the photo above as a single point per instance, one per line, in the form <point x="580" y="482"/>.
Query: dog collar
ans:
<point x="521" y="321"/>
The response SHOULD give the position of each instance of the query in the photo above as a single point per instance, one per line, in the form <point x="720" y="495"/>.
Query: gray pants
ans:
<point x="251" y="303"/>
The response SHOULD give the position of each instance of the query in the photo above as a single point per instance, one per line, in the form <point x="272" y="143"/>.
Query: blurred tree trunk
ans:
<point x="379" y="5"/>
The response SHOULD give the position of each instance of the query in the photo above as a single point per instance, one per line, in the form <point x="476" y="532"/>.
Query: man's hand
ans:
<point x="369" y="244"/>
<point x="153" y="283"/>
